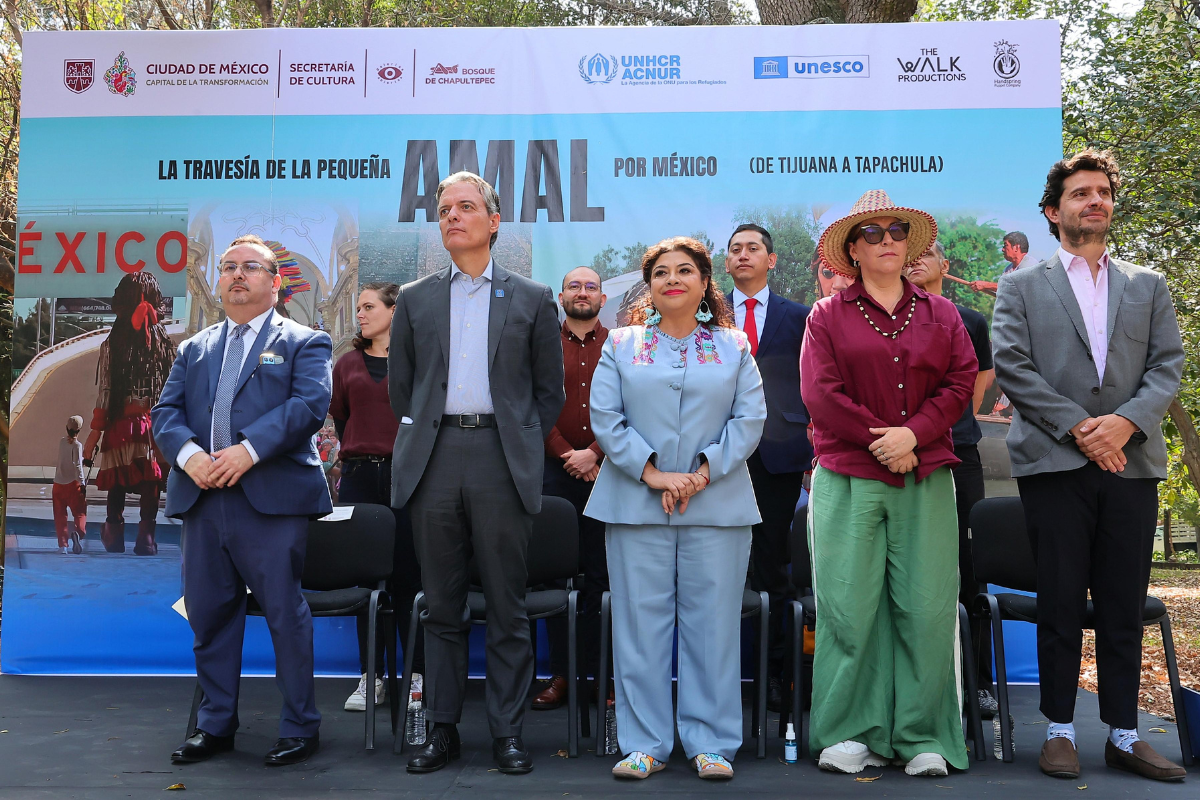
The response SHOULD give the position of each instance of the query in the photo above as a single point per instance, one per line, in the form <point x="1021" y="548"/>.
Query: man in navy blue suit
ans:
<point x="775" y="327"/>
<point x="237" y="418"/>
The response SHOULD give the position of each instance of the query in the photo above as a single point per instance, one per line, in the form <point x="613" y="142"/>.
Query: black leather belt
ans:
<point x="470" y="420"/>
<point x="372" y="459"/>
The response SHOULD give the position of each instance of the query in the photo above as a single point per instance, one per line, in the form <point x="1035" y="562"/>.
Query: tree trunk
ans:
<point x="801" y="12"/>
<point x="266" y="10"/>
<point x="1191" y="440"/>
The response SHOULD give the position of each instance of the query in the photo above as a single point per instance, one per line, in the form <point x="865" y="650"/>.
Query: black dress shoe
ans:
<point x="440" y="749"/>
<point x="511" y="755"/>
<point x="293" y="750"/>
<point x="201" y="746"/>
<point x="774" y="695"/>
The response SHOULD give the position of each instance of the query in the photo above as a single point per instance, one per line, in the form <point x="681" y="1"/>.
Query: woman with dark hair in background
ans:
<point x="678" y="407"/>
<point x="366" y="426"/>
<point x="134" y="363"/>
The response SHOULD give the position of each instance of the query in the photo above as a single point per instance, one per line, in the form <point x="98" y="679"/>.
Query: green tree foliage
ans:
<point x="973" y="248"/>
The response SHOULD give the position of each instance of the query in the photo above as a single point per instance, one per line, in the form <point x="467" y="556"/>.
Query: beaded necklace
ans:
<point x="912" y="306"/>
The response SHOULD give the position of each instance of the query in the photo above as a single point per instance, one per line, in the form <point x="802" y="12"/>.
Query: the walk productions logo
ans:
<point x="598" y="68"/>
<point x="442" y="75"/>
<point x="1006" y="64"/>
<point x="769" y="67"/>
<point x="389" y="73"/>
<point x="930" y="66"/>
<point x="78" y="74"/>
<point x="120" y="77"/>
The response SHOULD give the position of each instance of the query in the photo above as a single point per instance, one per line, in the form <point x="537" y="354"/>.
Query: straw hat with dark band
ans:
<point x="922" y="230"/>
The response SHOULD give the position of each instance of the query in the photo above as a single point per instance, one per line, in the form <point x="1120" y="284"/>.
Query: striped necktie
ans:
<point x="223" y="403"/>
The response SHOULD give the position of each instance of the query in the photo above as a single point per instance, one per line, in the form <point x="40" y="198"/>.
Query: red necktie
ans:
<point x="750" y="326"/>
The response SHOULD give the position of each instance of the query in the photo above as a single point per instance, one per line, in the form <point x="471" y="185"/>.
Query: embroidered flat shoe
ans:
<point x="713" y="767"/>
<point x="637" y="765"/>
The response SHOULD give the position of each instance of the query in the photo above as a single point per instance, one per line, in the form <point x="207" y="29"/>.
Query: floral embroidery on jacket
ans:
<point x="706" y="348"/>
<point x="648" y="347"/>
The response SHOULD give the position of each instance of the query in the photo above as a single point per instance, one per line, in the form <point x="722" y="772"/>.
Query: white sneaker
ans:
<point x="930" y="764"/>
<point x="357" y="701"/>
<point x="849" y="757"/>
<point x="64" y="550"/>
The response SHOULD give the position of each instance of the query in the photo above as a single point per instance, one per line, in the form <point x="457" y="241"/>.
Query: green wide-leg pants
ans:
<point x="885" y="571"/>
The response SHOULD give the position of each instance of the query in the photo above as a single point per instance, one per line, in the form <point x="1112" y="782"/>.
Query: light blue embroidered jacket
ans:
<point x="675" y="400"/>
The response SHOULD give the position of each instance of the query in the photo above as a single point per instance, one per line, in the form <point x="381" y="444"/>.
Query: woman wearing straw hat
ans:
<point x="886" y="370"/>
<point x="677" y="405"/>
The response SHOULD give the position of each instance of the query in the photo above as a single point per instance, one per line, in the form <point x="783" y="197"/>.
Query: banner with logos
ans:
<point x="145" y="153"/>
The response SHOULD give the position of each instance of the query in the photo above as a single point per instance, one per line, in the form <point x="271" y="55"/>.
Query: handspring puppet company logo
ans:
<point x="1006" y="64"/>
<point x="120" y="77"/>
<point x="598" y="68"/>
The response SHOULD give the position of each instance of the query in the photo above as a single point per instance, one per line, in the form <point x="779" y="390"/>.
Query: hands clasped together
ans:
<point x="582" y="464"/>
<point x="676" y="487"/>
<point x="220" y="469"/>
<point x="894" y="449"/>
<point x="1102" y="440"/>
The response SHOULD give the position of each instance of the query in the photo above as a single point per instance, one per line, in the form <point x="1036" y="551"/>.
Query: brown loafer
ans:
<point x="553" y="696"/>
<point x="1059" y="758"/>
<point x="1143" y="761"/>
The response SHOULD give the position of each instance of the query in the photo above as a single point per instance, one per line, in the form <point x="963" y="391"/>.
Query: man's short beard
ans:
<point x="575" y="312"/>
<point x="1078" y="236"/>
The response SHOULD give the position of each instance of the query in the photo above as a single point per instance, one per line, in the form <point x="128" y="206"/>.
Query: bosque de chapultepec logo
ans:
<point x="120" y="77"/>
<point x="598" y="68"/>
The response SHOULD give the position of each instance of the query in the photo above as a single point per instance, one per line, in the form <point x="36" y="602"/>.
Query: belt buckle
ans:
<point x="462" y="420"/>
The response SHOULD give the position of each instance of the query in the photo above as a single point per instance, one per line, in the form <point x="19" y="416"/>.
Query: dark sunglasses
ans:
<point x="873" y="234"/>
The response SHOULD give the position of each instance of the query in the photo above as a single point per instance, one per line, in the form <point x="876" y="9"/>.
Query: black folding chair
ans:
<point x="1003" y="556"/>
<point x="553" y="556"/>
<point x="754" y="604"/>
<point x="804" y="615"/>
<point x="341" y="558"/>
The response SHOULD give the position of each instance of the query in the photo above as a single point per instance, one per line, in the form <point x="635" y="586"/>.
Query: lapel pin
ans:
<point x="499" y="293"/>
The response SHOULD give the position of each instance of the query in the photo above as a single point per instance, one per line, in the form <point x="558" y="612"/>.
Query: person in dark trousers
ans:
<point x="475" y="376"/>
<point x="366" y="427"/>
<point x="929" y="274"/>
<point x="775" y="327"/>
<point x="1088" y="350"/>
<point x="572" y="463"/>
<point x="238" y="416"/>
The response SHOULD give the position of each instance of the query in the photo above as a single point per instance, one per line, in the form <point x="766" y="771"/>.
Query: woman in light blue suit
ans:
<point x="677" y="405"/>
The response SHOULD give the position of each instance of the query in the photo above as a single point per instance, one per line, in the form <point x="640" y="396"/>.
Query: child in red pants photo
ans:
<point x="68" y="490"/>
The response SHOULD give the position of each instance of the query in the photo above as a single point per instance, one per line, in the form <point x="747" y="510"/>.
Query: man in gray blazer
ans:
<point x="1088" y="350"/>
<point x="475" y="375"/>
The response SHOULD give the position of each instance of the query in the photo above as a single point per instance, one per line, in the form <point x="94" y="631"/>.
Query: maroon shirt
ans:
<point x="362" y="403"/>
<point x="853" y="379"/>
<point x="580" y="357"/>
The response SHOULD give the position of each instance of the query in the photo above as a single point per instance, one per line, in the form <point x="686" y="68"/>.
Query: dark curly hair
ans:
<point x="722" y="313"/>
<point x="387" y="293"/>
<point x="1090" y="160"/>
<point x="133" y="352"/>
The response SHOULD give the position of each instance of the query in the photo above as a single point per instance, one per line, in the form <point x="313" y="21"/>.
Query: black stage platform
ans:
<point x="101" y="738"/>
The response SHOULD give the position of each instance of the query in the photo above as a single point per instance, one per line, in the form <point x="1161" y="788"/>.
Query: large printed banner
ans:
<point x="144" y="153"/>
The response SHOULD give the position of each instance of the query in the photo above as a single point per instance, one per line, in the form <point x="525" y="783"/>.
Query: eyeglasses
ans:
<point x="248" y="269"/>
<point x="589" y="287"/>
<point x="874" y="233"/>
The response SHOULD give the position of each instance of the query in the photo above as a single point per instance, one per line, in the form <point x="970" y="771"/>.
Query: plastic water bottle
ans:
<point x="610" y="730"/>
<point x="789" y="745"/>
<point x="997" y="748"/>
<point x="415" y="730"/>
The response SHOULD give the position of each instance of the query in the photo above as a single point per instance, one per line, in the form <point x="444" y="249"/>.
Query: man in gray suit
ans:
<point x="1088" y="350"/>
<point x="475" y="372"/>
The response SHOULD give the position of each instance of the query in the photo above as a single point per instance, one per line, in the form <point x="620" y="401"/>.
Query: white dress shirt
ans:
<point x="1092" y="297"/>
<point x="760" y="310"/>
<point x="191" y="448"/>
<point x="468" y="389"/>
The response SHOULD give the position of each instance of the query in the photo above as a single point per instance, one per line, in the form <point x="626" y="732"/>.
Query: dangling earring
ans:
<point x="704" y="314"/>
<point x="653" y="318"/>
<point x="855" y="263"/>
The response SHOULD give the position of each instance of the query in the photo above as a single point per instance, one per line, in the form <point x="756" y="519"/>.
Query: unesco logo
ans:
<point x="1006" y="64"/>
<point x="598" y="68"/>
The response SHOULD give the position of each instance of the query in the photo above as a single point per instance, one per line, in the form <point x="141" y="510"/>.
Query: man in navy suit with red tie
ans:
<point x="775" y="327"/>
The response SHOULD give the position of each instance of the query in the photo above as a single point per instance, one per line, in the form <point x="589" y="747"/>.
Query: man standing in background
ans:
<point x="1014" y="249"/>
<point x="929" y="274"/>
<point x="572" y="463"/>
<point x="775" y="327"/>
